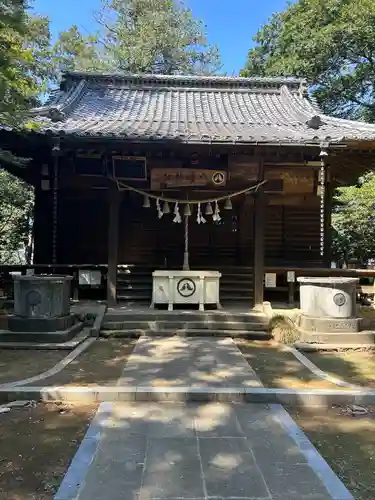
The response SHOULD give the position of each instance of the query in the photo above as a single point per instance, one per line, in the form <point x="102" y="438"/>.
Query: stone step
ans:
<point x="364" y="337"/>
<point x="41" y="337"/>
<point x="171" y="332"/>
<point x="184" y="325"/>
<point x="183" y="316"/>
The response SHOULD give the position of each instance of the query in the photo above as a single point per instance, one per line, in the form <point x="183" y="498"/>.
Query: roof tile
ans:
<point x="198" y="109"/>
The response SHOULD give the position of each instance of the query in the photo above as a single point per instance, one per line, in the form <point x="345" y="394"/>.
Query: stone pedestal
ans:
<point x="186" y="287"/>
<point x="328" y="305"/>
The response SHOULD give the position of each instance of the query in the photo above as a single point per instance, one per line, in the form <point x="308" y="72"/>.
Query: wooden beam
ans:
<point x="114" y="200"/>
<point x="259" y="246"/>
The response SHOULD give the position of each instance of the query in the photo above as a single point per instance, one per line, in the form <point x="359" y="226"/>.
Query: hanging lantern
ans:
<point x="166" y="209"/>
<point x="228" y="204"/>
<point x="209" y="210"/>
<point x="146" y="202"/>
<point x="187" y="210"/>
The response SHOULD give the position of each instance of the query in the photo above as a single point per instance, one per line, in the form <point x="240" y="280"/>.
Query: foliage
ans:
<point x="76" y="51"/>
<point x="16" y="206"/>
<point x="24" y="67"/>
<point x="24" y="60"/>
<point x="283" y="329"/>
<point x="140" y="36"/>
<point x="332" y="44"/>
<point x="353" y="221"/>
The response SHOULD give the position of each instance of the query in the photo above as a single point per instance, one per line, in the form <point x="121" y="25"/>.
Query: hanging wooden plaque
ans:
<point x="295" y="180"/>
<point x="162" y="178"/>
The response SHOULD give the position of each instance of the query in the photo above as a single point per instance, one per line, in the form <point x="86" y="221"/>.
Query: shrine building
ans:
<point x="134" y="174"/>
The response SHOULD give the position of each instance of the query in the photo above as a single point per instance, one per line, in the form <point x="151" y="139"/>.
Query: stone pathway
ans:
<point x="187" y="362"/>
<point x="156" y="451"/>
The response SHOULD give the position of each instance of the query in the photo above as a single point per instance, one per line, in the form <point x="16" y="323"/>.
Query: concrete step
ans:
<point x="339" y="338"/>
<point x="41" y="337"/>
<point x="186" y="316"/>
<point x="184" y="325"/>
<point x="170" y="332"/>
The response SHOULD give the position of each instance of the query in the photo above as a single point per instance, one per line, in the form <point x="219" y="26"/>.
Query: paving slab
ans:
<point x="201" y="451"/>
<point x="187" y="362"/>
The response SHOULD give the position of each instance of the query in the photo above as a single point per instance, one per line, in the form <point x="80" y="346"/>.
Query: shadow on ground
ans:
<point x="155" y="451"/>
<point x="101" y="364"/>
<point x="346" y="442"/>
<point x="279" y="368"/>
<point x="37" y="445"/>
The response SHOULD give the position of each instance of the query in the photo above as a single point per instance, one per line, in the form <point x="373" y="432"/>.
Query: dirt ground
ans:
<point x="18" y="364"/>
<point x="347" y="443"/>
<point x="37" y="445"/>
<point x="277" y="368"/>
<point x="101" y="364"/>
<point x="356" y="367"/>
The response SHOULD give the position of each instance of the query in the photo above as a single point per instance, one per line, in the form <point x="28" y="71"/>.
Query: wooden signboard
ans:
<point x="244" y="169"/>
<point x="295" y="180"/>
<point x="132" y="168"/>
<point x="162" y="178"/>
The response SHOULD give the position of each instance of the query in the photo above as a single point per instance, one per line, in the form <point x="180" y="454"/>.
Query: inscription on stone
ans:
<point x="341" y="327"/>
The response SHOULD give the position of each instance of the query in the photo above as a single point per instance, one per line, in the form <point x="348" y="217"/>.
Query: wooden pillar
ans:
<point x="260" y="206"/>
<point x="113" y="233"/>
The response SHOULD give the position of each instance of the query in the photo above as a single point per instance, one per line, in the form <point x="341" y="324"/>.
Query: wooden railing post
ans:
<point x="113" y="233"/>
<point x="259" y="232"/>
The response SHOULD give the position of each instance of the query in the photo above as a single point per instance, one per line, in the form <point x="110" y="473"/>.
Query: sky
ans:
<point x="230" y="24"/>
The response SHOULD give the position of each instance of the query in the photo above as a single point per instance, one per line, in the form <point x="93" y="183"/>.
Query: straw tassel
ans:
<point x="158" y="208"/>
<point x="200" y="218"/>
<point x="216" y="217"/>
<point x="177" y="216"/>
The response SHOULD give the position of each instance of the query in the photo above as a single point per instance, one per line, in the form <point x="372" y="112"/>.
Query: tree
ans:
<point x="24" y="60"/>
<point x="16" y="208"/>
<point x="353" y="221"/>
<point x="140" y="36"/>
<point x="76" y="51"/>
<point x="24" y="67"/>
<point x="332" y="44"/>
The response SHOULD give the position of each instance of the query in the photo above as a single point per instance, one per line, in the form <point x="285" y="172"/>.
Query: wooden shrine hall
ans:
<point x="138" y="173"/>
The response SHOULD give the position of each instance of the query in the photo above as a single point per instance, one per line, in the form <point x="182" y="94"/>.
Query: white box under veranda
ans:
<point x="186" y="287"/>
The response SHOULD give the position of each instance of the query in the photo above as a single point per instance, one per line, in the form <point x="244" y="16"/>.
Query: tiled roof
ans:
<point x="193" y="109"/>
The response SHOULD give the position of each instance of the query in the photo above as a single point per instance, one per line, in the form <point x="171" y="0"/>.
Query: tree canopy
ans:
<point x="24" y="60"/>
<point x="139" y="36"/>
<point x="24" y="68"/>
<point x="353" y="221"/>
<point x="332" y="44"/>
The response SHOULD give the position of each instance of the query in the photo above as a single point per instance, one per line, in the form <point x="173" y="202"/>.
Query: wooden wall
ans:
<point x="292" y="236"/>
<point x="291" y="232"/>
<point x="144" y="238"/>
